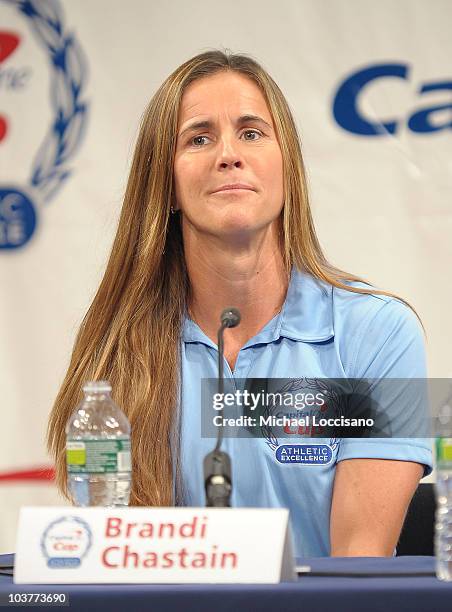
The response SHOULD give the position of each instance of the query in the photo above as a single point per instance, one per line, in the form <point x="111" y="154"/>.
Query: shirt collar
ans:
<point x="306" y="315"/>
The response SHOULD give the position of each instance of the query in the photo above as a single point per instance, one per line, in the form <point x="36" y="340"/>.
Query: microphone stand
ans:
<point x="217" y="464"/>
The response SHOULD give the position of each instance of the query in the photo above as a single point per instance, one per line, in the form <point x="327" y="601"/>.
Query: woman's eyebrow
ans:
<point x="207" y="124"/>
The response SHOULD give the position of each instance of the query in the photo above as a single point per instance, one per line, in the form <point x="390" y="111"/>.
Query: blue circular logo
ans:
<point x="17" y="218"/>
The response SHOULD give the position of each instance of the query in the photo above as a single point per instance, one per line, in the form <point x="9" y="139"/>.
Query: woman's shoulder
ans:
<point x="348" y="306"/>
<point x="347" y="315"/>
<point x="356" y="309"/>
<point x="377" y="333"/>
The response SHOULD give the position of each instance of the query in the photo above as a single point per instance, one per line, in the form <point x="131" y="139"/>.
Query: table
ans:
<point x="395" y="591"/>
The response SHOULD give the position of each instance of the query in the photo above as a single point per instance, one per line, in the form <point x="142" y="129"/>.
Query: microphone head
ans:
<point x="230" y="317"/>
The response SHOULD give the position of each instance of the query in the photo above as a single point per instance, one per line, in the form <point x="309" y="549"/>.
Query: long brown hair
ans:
<point x="131" y="333"/>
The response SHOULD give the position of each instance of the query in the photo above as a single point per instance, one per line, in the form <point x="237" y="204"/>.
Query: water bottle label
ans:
<point x="98" y="456"/>
<point x="444" y="452"/>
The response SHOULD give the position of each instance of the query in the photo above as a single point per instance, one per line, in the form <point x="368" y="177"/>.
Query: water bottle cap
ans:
<point x="97" y="386"/>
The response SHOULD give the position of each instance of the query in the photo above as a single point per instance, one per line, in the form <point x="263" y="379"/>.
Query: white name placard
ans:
<point x="64" y="545"/>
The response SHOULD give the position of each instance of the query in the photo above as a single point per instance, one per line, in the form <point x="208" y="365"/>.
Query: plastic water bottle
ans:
<point x="443" y="527"/>
<point x="98" y="450"/>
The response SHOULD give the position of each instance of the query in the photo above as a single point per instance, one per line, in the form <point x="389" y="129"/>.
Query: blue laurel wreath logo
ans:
<point x="50" y="168"/>
<point x="293" y="386"/>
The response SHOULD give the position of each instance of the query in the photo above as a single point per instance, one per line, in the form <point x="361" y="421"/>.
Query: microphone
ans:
<point x="217" y="464"/>
<point x="230" y="317"/>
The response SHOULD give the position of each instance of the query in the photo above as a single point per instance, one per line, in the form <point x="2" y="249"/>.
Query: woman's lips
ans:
<point x="235" y="190"/>
<point x="234" y="187"/>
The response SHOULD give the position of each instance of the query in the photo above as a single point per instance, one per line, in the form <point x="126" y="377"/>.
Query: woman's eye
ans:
<point x="199" y="141"/>
<point x="256" y="132"/>
<point x="197" y="138"/>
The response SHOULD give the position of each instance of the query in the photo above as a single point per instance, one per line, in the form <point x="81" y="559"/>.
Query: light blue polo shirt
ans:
<point x="321" y="332"/>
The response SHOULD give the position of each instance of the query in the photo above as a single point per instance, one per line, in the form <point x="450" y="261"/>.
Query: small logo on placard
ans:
<point x="306" y="454"/>
<point x="66" y="542"/>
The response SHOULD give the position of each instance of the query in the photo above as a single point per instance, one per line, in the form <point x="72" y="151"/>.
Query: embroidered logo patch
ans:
<point x="306" y="454"/>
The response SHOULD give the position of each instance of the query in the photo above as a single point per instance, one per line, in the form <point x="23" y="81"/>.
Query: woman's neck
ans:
<point x="249" y="276"/>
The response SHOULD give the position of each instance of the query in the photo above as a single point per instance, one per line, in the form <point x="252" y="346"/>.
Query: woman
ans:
<point x="216" y="213"/>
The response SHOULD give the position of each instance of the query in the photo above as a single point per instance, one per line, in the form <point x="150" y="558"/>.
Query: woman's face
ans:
<point x="226" y="137"/>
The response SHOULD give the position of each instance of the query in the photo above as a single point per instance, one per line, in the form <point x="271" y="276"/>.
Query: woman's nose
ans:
<point x="225" y="163"/>
<point x="229" y="154"/>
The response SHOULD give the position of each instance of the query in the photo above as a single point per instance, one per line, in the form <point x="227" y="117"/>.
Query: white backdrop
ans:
<point x="381" y="203"/>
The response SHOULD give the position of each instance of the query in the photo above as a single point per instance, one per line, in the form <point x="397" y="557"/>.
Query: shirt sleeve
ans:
<point x="390" y="345"/>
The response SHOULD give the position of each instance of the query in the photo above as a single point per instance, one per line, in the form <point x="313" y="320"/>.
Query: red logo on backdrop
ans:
<point x="32" y="474"/>
<point x="8" y="43"/>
